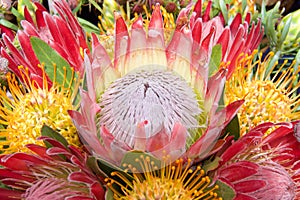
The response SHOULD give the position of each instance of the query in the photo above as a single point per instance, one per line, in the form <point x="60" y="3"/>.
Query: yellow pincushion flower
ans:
<point x="162" y="181"/>
<point x="26" y="108"/>
<point x="269" y="94"/>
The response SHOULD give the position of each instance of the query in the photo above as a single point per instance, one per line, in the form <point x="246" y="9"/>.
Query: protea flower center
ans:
<point x="157" y="98"/>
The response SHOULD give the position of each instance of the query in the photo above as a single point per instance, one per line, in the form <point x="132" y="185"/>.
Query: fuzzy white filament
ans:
<point x="159" y="97"/>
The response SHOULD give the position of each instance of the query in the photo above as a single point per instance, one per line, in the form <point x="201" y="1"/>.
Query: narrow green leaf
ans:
<point x="233" y="128"/>
<point x="88" y="26"/>
<point x="244" y="5"/>
<point x="17" y="14"/>
<point x="216" y="56"/>
<point x="224" y="10"/>
<point x="285" y="30"/>
<point x="8" y="24"/>
<point x="101" y="167"/>
<point x="49" y="57"/>
<point x="49" y="132"/>
<point x="225" y="191"/>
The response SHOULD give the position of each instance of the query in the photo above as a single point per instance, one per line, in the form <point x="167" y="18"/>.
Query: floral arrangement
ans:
<point x="163" y="100"/>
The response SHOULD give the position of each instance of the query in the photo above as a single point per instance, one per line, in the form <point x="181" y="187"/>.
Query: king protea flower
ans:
<point x="58" y="172"/>
<point x="158" y="97"/>
<point x="63" y="33"/>
<point x="263" y="167"/>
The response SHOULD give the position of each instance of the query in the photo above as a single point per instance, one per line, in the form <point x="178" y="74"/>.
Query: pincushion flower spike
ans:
<point x="25" y="108"/>
<point x="61" y="32"/>
<point x="146" y="178"/>
<point x="57" y="172"/>
<point x="269" y="89"/>
<point x="152" y="97"/>
<point x="261" y="166"/>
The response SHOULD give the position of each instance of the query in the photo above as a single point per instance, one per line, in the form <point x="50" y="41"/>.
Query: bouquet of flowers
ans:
<point x="168" y="100"/>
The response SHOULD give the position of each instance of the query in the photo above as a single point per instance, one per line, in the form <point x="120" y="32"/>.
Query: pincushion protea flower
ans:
<point x="58" y="172"/>
<point x="30" y="106"/>
<point x="152" y="98"/>
<point x="162" y="181"/>
<point x="263" y="167"/>
<point x="268" y="88"/>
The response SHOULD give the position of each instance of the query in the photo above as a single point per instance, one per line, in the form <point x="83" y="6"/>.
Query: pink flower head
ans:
<point x="61" y="32"/>
<point x="154" y="96"/>
<point x="260" y="166"/>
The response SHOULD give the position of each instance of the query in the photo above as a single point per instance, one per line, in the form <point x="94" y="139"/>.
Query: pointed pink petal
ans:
<point x="214" y="90"/>
<point x="121" y="40"/>
<point x="7" y="31"/>
<point x="27" y="16"/>
<point x="197" y="31"/>
<point x="55" y="151"/>
<point x="175" y="146"/>
<point x="40" y="7"/>
<point x="206" y="15"/>
<point x="66" y="13"/>
<point x="224" y="41"/>
<point x="27" y="49"/>
<point x="249" y="185"/>
<point x="80" y="177"/>
<point x="17" y="175"/>
<point x="156" y="21"/>
<point x="202" y="147"/>
<point x="29" y="28"/>
<point x="156" y="32"/>
<point x="248" y="18"/>
<point x="206" y="43"/>
<point x="19" y="58"/>
<point x="40" y="19"/>
<point x="98" y="191"/>
<point x="52" y="26"/>
<point x="12" y="65"/>
<point x="240" y="170"/>
<point x="95" y="41"/>
<point x="39" y="150"/>
<point x="139" y="36"/>
<point x="20" y="161"/>
<point x="6" y="194"/>
<point x="198" y="9"/>
<point x="234" y="26"/>
<point x="158" y="141"/>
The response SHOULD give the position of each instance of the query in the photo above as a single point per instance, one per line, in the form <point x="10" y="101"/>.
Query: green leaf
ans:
<point x="102" y="167"/>
<point x="8" y="24"/>
<point x="17" y="14"/>
<point x="49" y="57"/>
<point x="285" y="30"/>
<point x="132" y="156"/>
<point x="211" y="165"/>
<point x="109" y="195"/>
<point x="225" y="191"/>
<point x="216" y="56"/>
<point x="88" y="26"/>
<point x="233" y="128"/>
<point x="224" y="10"/>
<point x="49" y="132"/>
